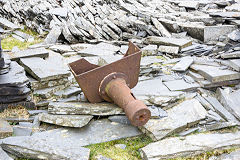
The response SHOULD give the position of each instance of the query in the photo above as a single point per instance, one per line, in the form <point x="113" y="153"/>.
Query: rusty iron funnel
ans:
<point x="112" y="83"/>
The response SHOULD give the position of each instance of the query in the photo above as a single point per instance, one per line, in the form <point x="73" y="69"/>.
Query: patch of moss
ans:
<point x="9" y="42"/>
<point x="129" y="153"/>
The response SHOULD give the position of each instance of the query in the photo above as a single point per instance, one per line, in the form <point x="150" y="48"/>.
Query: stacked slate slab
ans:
<point x="13" y="83"/>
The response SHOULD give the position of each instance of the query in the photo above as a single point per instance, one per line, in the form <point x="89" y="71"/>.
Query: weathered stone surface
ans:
<point x="149" y="50"/>
<point x="100" y="49"/>
<point x="216" y="74"/>
<point x="48" y="92"/>
<point x="4" y="155"/>
<point x="61" y="48"/>
<point x="38" y="52"/>
<point x="181" y="43"/>
<point x="59" y="11"/>
<point x="34" y="147"/>
<point x="120" y="119"/>
<point x="150" y="87"/>
<point x="235" y="54"/>
<point x="161" y="28"/>
<point x="35" y="85"/>
<point x="168" y="49"/>
<point x="181" y="85"/>
<point x="5" y="129"/>
<point x="235" y="35"/>
<point x="66" y="120"/>
<point x="189" y="4"/>
<point x="234" y="64"/>
<point x="42" y="70"/>
<point x="22" y="130"/>
<point x="98" y="109"/>
<point x="179" y="117"/>
<point x="68" y="92"/>
<point x="183" y="65"/>
<point x="15" y="77"/>
<point x="7" y="24"/>
<point x="195" y="76"/>
<point x="220" y="109"/>
<point x="24" y="36"/>
<point x="230" y="101"/>
<point x="189" y="146"/>
<point x="231" y="156"/>
<point x="53" y="35"/>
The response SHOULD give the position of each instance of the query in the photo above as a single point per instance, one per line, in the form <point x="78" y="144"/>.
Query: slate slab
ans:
<point x="53" y="35"/>
<point x="181" y="85"/>
<point x="4" y="155"/>
<point x="231" y="156"/>
<point x="233" y="63"/>
<point x="168" y="49"/>
<point x="216" y="74"/>
<point x="99" y="49"/>
<point x="15" y="77"/>
<point x="71" y="138"/>
<point x="42" y="70"/>
<point x="220" y="109"/>
<point x="235" y="54"/>
<point x="34" y="147"/>
<point x="77" y="121"/>
<point x="189" y="146"/>
<point x="68" y="92"/>
<point x="97" y="109"/>
<point x="179" y="117"/>
<point x="230" y="101"/>
<point x="37" y="52"/>
<point x="7" y="24"/>
<point x="5" y="129"/>
<point x="183" y="65"/>
<point x="181" y="43"/>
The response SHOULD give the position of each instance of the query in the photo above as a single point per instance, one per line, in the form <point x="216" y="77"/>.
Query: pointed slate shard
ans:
<point x="220" y="109"/>
<point x="230" y="101"/>
<point x="235" y="54"/>
<point x="4" y="155"/>
<point x="77" y="121"/>
<point x="7" y="24"/>
<point x="181" y="43"/>
<point x="215" y="74"/>
<point x="183" y="65"/>
<point x="81" y="108"/>
<point x="34" y="147"/>
<point x="181" y="85"/>
<point x="42" y="70"/>
<point x="53" y="35"/>
<point x="179" y="117"/>
<point x="5" y="129"/>
<point x="38" y="52"/>
<point x="189" y="146"/>
<point x="234" y="64"/>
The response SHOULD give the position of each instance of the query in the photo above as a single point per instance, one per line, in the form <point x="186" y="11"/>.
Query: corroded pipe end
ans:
<point x="137" y="112"/>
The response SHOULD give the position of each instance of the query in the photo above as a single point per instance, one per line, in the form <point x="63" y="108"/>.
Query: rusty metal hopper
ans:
<point x="112" y="83"/>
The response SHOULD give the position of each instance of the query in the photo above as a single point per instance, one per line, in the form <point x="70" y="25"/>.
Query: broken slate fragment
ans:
<point x="66" y="120"/>
<point x="189" y="146"/>
<point x="5" y="129"/>
<point x="181" y="85"/>
<point x="7" y="24"/>
<point x="42" y="70"/>
<point x="53" y="35"/>
<point x="81" y="108"/>
<point x="235" y="54"/>
<point x="183" y="65"/>
<point x="4" y="155"/>
<point x="189" y="4"/>
<point x="35" y="147"/>
<point x="68" y="92"/>
<point x="181" y="43"/>
<point x="184" y="115"/>
<point x="168" y="49"/>
<point x="38" y="52"/>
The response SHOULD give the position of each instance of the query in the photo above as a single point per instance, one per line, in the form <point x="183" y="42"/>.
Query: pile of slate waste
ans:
<point x="189" y="76"/>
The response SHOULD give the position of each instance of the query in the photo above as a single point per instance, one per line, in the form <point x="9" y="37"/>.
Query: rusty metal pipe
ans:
<point x="136" y="111"/>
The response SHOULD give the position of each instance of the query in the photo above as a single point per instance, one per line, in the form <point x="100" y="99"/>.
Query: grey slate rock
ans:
<point x="42" y="70"/>
<point x="77" y="121"/>
<point x="22" y="130"/>
<point x="181" y="85"/>
<point x="68" y="92"/>
<point x="4" y="155"/>
<point x="81" y="108"/>
<point x="220" y="109"/>
<point x="25" y="36"/>
<point x="230" y="101"/>
<point x="189" y="146"/>
<point x="235" y="54"/>
<point x="53" y="35"/>
<point x="120" y="119"/>
<point x="183" y="65"/>
<point x="5" y="129"/>
<point x="231" y="156"/>
<point x="38" y="52"/>
<point x="62" y="12"/>
<point x="7" y="24"/>
<point x="184" y="115"/>
<point x="34" y="147"/>
<point x="235" y="35"/>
